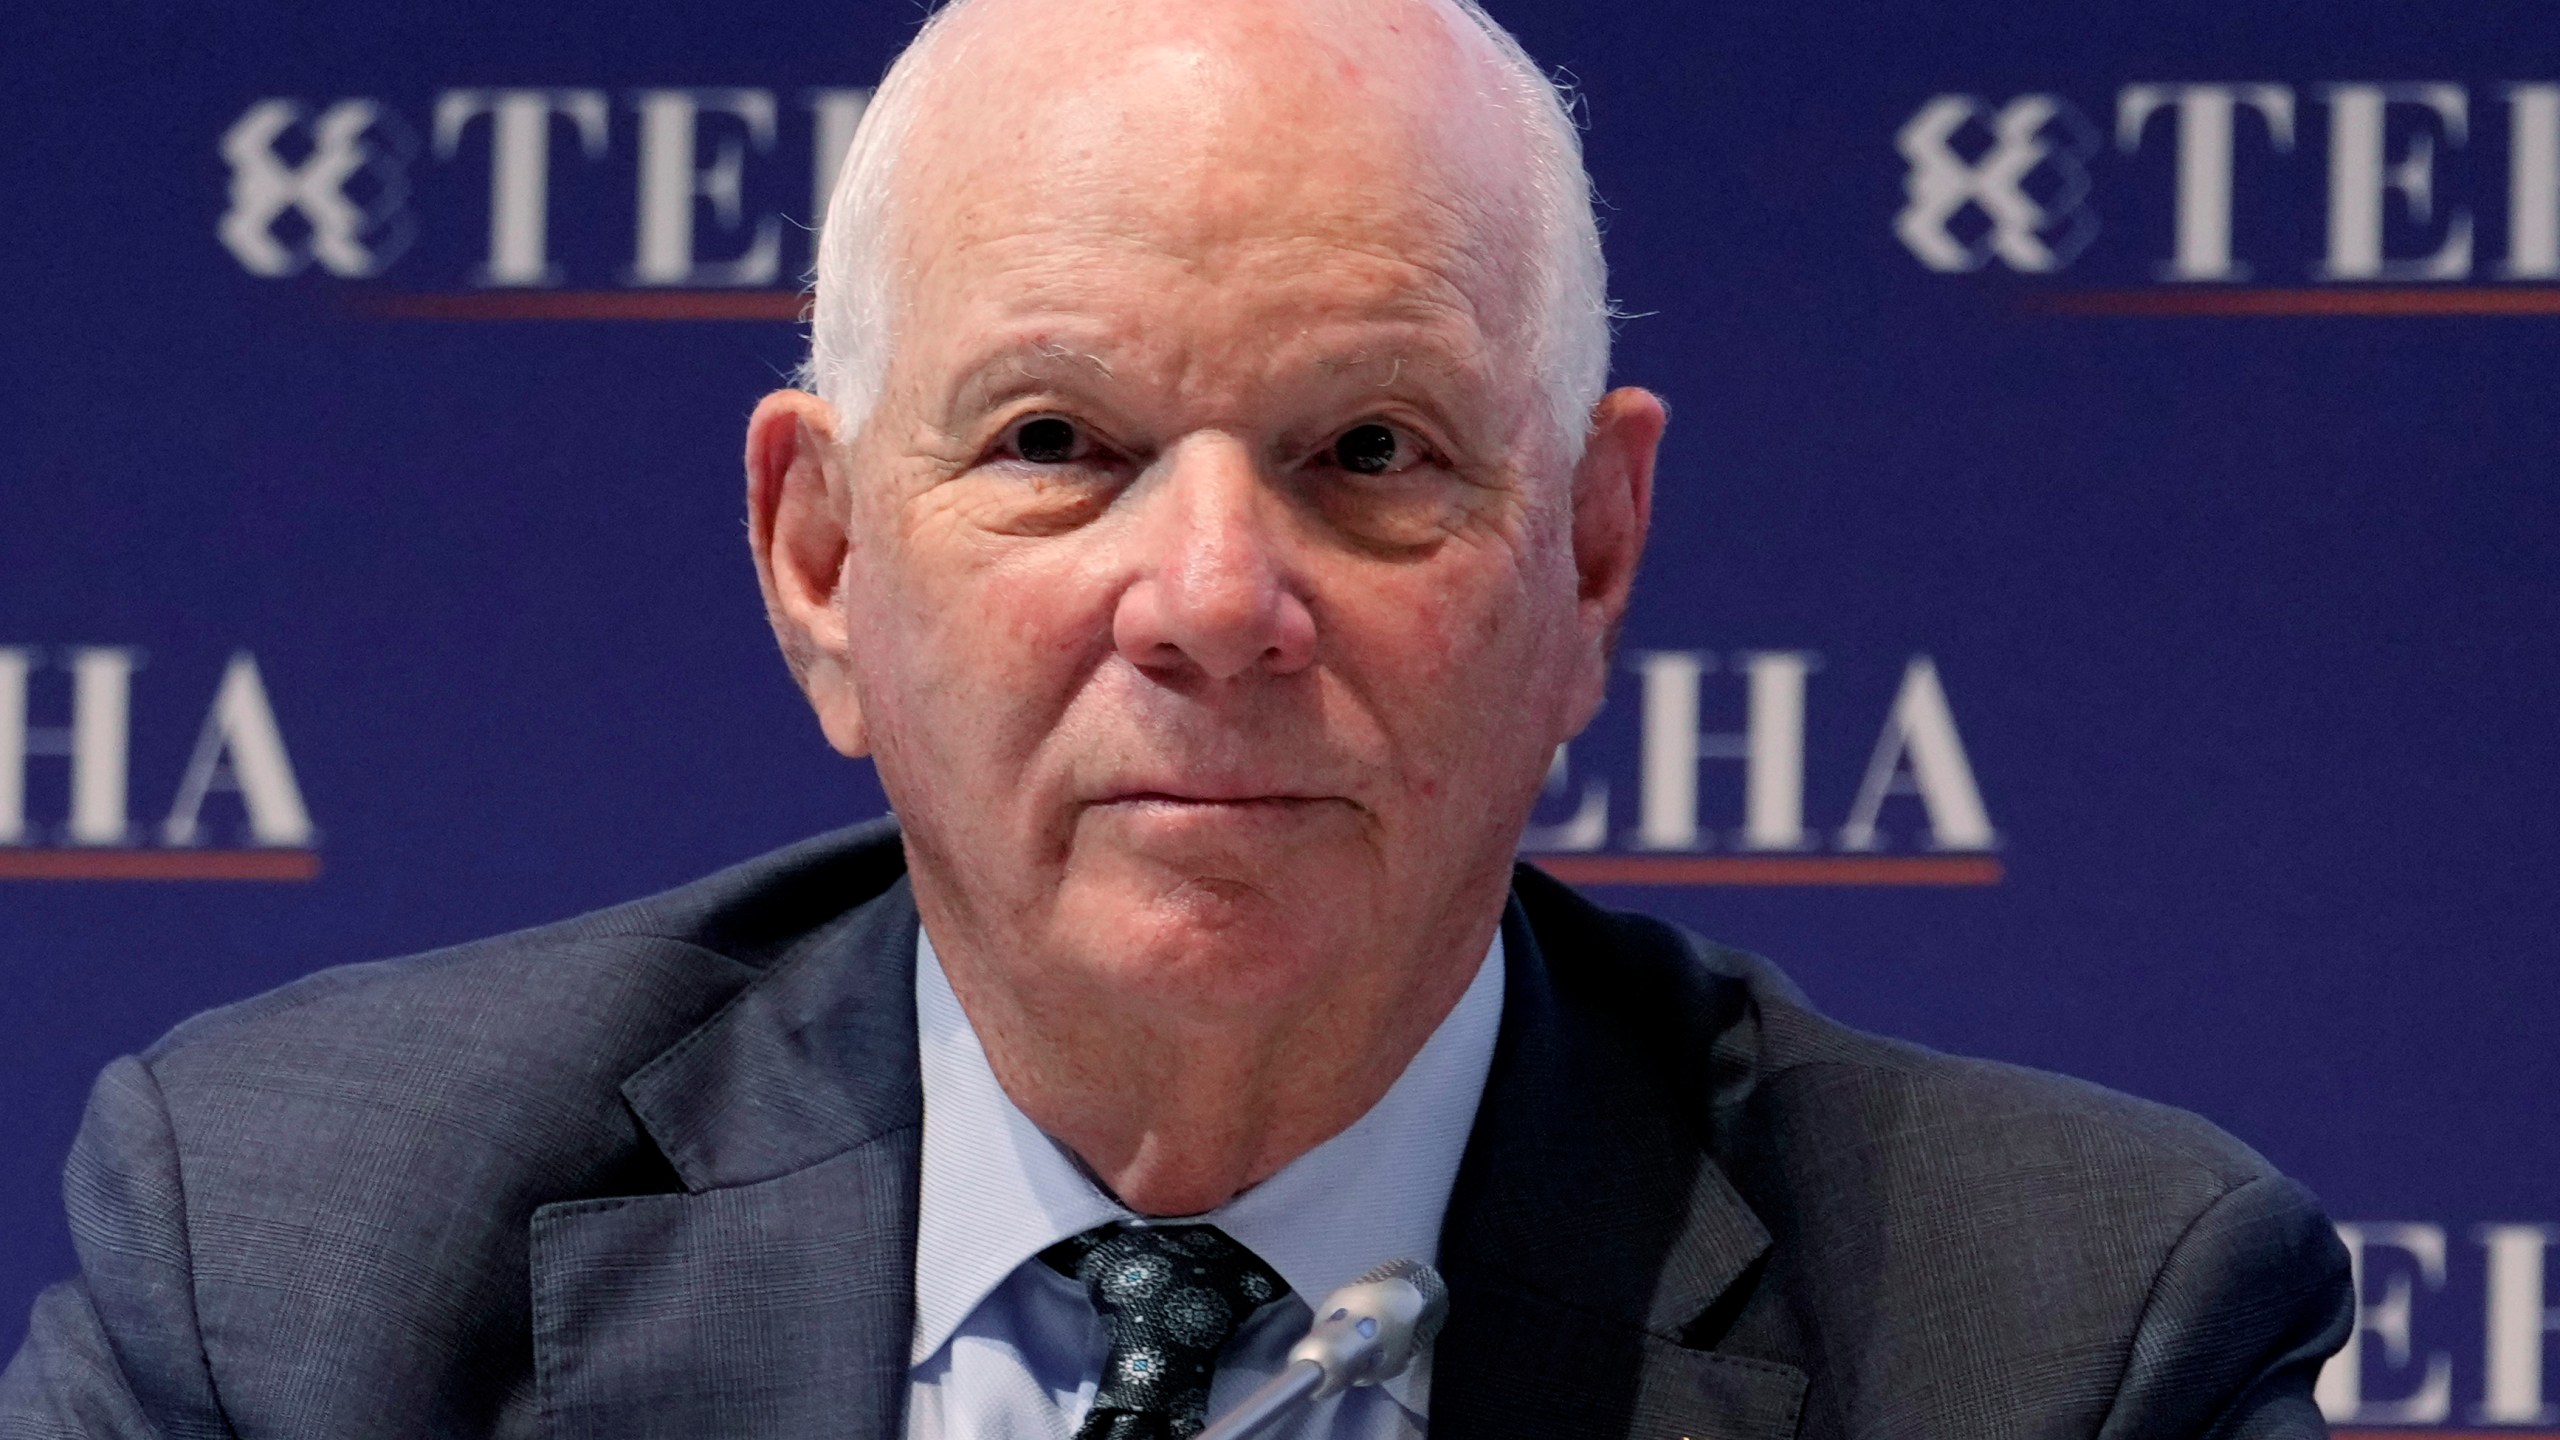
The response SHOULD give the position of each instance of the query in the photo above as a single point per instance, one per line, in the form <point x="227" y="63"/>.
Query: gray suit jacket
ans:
<point x="653" y="1173"/>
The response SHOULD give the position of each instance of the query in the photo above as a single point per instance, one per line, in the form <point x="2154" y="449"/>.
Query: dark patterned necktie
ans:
<point x="1170" y="1297"/>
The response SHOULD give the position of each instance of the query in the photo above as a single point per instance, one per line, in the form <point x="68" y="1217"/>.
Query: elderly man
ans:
<point x="1210" y="520"/>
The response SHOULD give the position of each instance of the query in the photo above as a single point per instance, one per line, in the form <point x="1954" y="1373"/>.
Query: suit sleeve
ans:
<point x="2250" y="1302"/>
<point x="118" y="1352"/>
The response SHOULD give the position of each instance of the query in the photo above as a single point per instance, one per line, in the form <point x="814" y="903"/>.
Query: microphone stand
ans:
<point x="1276" y="1397"/>
<point x="1368" y="1331"/>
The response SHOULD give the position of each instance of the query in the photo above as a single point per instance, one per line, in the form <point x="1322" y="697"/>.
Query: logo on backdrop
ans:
<point x="2312" y="185"/>
<point x="2449" y="1327"/>
<point x="344" y="203"/>
<point x="239" y="753"/>
<point x="674" y="189"/>
<point x="1674" y="824"/>
<point x="2031" y="184"/>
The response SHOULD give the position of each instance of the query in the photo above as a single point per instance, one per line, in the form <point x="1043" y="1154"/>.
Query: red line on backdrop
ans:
<point x="17" y="864"/>
<point x="764" y="305"/>
<point x="1771" y="869"/>
<point x="2424" y="1433"/>
<point x="2325" y="300"/>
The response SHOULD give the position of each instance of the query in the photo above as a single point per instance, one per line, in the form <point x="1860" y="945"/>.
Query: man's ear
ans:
<point x="799" y="518"/>
<point x="1612" y="509"/>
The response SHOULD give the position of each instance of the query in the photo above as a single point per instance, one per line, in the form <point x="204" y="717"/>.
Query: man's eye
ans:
<point x="1047" y="440"/>
<point x="1372" y="448"/>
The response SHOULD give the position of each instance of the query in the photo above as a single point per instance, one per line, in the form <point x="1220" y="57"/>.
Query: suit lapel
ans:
<point x="1590" y="1229"/>
<point x="1588" y="1233"/>
<point x="775" y="1297"/>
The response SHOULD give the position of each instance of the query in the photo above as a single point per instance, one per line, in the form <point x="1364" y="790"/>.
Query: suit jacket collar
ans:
<point x="816" y="1057"/>
<point x="1591" y="1230"/>
<point x="775" y="1296"/>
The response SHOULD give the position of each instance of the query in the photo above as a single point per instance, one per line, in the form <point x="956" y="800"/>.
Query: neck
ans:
<point x="1177" y="1110"/>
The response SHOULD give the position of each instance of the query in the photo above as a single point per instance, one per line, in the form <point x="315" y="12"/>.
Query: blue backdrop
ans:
<point x="2101" y="612"/>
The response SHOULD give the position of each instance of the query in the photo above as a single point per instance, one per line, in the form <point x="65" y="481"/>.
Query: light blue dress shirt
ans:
<point x="1007" y="1349"/>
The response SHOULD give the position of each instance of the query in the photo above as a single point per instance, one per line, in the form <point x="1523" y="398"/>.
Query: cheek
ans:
<point x="1464" y="658"/>
<point x="969" y="636"/>
<point x="1516" y="607"/>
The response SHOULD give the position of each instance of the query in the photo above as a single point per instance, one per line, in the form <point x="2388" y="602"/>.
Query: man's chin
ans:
<point x="1221" y="936"/>
<point x="1202" y="850"/>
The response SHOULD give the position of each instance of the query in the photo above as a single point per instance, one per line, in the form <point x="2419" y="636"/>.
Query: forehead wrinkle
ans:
<point x="1092" y="308"/>
<point x="1036" y="277"/>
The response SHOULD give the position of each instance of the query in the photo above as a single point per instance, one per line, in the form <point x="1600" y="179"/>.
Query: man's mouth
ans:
<point x="1180" y="800"/>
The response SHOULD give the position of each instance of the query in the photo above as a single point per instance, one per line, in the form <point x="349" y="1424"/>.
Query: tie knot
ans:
<point x="1170" y="1298"/>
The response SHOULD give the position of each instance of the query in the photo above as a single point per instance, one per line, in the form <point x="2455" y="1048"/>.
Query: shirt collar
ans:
<point x="996" y="1191"/>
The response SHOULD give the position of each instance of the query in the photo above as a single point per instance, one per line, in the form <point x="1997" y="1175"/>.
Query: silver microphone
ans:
<point x="1365" y="1332"/>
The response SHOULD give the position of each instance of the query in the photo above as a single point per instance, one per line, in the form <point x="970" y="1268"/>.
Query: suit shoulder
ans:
<point x="1938" y="1190"/>
<point x="1834" y="1087"/>
<point x="657" y="959"/>
<point x="513" y="1047"/>
<point x="1969" y="1107"/>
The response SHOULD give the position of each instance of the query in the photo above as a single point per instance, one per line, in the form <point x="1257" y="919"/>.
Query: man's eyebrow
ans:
<point x="1435" y="374"/>
<point x="1426" y="359"/>
<point x="1008" y="369"/>
<point x="1395" y="363"/>
<point x="1020" y="366"/>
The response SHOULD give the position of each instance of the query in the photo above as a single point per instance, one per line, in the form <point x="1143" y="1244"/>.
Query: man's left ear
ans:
<point x="1612" y="509"/>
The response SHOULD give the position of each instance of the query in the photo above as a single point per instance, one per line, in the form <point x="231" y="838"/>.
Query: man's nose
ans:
<point x="1212" y="593"/>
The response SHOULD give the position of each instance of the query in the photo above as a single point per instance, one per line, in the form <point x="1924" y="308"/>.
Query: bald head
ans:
<point x="1224" y="132"/>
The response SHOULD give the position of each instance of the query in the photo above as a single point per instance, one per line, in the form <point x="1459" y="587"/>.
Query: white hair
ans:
<point x="852" y="322"/>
